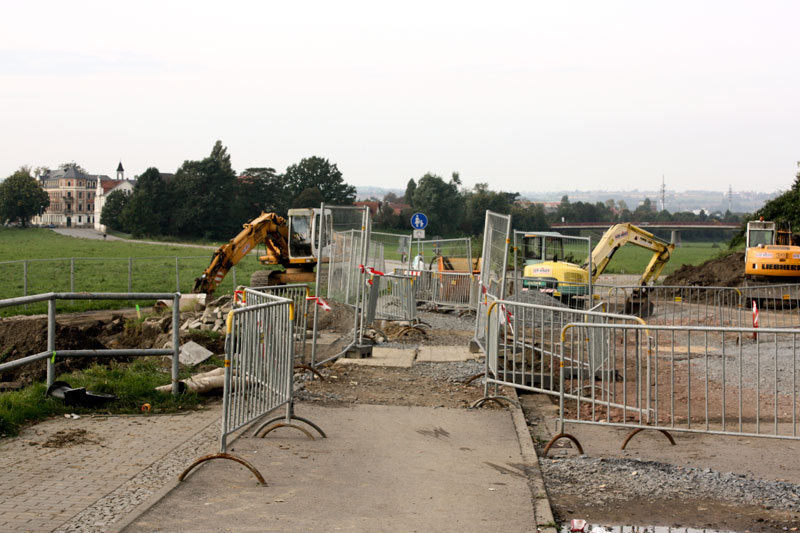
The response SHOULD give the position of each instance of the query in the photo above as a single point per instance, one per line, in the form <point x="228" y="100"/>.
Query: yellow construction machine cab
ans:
<point x="770" y="254"/>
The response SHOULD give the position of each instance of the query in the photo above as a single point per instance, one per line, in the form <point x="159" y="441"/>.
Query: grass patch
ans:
<point x="37" y="260"/>
<point x="133" y="383"/>
<point x="633" y="260"/>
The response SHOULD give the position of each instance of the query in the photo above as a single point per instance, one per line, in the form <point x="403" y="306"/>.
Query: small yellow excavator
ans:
<point x="291" y="244"/>
<point x="546" y="269"/>
<point x="771" y="255"/>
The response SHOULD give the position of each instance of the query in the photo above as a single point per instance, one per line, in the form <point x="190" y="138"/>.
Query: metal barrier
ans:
<point x="52" y="352"/>
<point x="391" y="298"/>
<point x="120" y="274"/>
<point x="298" y="293"/>
<point x="493" y="269"/>
<point x="454" y="289"/>
<point x="259" y="363"/>
<point x="523" y="345"/>
<point x="343" y="242"/>
<point x="727" y="381"/>
<point x="775" y="305"/>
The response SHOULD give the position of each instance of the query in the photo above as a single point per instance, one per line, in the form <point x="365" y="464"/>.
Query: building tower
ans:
<point x="120" y="172"/>
<point x="663" y="193"/>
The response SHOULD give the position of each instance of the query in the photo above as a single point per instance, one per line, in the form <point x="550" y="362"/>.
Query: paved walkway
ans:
<point x="88" y="233"/>
<point x="82" y="475"/>
<point x="382" y="468"/>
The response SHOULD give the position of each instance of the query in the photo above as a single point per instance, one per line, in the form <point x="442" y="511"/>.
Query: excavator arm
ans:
<point x="268" y="228"/>
<point x="622" y="234"/>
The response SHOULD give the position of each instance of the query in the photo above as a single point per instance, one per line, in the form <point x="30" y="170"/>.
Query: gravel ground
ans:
<point x="605" y="480"/>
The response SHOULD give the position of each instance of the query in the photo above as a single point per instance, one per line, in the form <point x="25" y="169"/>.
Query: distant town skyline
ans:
<point x="520" y="95"/>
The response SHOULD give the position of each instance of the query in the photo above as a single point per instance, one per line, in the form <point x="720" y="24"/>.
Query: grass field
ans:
<point x="35" y="261"/>
<point x="633" y="260"/>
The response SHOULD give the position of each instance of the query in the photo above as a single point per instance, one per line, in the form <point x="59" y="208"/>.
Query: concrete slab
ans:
<point x="326" y="339"/>
<point x="382" y="468"/>
<point x="192" y="354"/>
<point x="393" y="357"/>
<point x="445" y="354"/>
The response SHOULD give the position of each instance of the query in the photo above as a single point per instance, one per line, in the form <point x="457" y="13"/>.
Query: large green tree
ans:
<point x="261" y="189"/>
<point x="113" y="207"/>
<point x="441" y="202"/>
<point x="318" y="172"/>
<point x="481" y="199"/>
<point x="21" y="198"/>
<point x="203" y="197"/>
<point x="146" y="211"/>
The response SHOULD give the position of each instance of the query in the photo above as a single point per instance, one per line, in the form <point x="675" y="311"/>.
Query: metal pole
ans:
<point x="51" y="340"/>
<point x="177" y="276"/>
<point x="130" y="274"/>
<point x="71" y="274"/>
<point x="320" y="256"/>
<point x="233" y="271"/>
<point x="176" y="339"/>
<point x="25" y="278"/>
<point x="591" y="275"/>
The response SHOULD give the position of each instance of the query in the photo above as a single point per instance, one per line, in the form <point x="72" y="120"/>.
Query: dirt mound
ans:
<point x="24" y="336"/>
<point x="339" y="319"/>
<point x="727" y="271"/>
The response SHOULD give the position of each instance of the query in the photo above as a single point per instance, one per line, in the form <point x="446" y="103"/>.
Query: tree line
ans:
<point x="454" y="210"/>
<point x="208" y="199"/>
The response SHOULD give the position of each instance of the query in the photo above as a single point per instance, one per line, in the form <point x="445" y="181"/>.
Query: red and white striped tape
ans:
<point x="320" y="302"/>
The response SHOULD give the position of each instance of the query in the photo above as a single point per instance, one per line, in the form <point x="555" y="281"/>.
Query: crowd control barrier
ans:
<point x="259" y="363"/>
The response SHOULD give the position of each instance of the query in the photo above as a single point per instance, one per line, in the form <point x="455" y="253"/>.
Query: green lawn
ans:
<point x="633" y="260"/>
<point x="35" y="260"/>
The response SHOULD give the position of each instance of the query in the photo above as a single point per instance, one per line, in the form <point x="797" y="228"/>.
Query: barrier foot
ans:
<point x="223" y="455"/>
<point x="473" y="378"/>
<point x="562" y="436"/>
<point x="280" y="421"/>
<point x="498" y="399"/>
<point x="638" y="430"/>
<point x="311" y="369"/>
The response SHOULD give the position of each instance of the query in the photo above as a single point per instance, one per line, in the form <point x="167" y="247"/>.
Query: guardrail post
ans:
<point x="130" y="274"/>
<point x="177" y="276"/>
<point x="71" y="274"/>
<point x="25" y="279"/>
<point x="51" y="340"/>
<point x="176" y="337"/>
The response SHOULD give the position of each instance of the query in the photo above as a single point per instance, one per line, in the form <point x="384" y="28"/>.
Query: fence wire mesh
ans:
<point x="496" y="239"/>
<point x="298" y="294"/>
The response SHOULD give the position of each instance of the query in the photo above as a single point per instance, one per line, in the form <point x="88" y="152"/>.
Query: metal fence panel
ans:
<point x="524" y="352"/>
<point x="736" y="381"/>
<point x="453" y="289"/>
<point x="298" y="293"/>
<point x="258" y="363"/>
<point x="392" y="298"/>
<point x="496" y="238"/>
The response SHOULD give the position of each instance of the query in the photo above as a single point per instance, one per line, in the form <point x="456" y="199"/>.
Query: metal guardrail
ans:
<point x="259" y="363"/>
<point x="712" y="380"/>
<point x="523" y="345"/>
<point x="52" y="352"/>
<point x="126" y="274"/>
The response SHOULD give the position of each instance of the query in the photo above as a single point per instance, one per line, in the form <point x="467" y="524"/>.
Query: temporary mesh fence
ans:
<point x="442" y="254"/>
<point x="396" y="249"/>
<point x="342" y="268"/>
<point x="496" y="239"/>
<point x="391" y="298"/>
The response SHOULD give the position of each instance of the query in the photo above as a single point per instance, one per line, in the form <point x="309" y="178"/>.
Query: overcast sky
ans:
<point x="522" y="95"/>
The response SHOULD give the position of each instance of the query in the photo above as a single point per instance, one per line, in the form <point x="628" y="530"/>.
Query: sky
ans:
<point x="524" y="96"/>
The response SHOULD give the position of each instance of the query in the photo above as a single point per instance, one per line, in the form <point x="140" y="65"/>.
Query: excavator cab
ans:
<point x="300" y="235"/>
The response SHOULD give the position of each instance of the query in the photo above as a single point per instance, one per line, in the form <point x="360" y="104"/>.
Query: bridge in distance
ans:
<point x="674" y="227"/>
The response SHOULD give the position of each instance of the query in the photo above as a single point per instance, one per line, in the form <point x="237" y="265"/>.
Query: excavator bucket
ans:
<point x="639" y="304"/>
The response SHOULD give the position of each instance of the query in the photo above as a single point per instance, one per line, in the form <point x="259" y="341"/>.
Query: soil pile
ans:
<point x="727" y="271"/>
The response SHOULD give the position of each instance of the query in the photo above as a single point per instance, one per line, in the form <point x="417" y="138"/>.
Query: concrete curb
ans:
<point x="541" y="502"/>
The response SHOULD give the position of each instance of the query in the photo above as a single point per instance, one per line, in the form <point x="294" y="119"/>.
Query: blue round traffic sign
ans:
<point x="419" y="221"/>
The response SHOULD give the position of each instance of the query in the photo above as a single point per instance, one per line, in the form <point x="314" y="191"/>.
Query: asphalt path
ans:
<point x="90" y="233"/>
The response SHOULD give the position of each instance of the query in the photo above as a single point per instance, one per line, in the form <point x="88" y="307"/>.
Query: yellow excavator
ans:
<point x="290" y="243"/>
<point x="546" y="268"/>
<point x="771" y="255"/>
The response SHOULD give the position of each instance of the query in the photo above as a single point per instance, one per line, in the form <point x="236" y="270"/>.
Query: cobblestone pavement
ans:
<point x="80" y="475"/>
